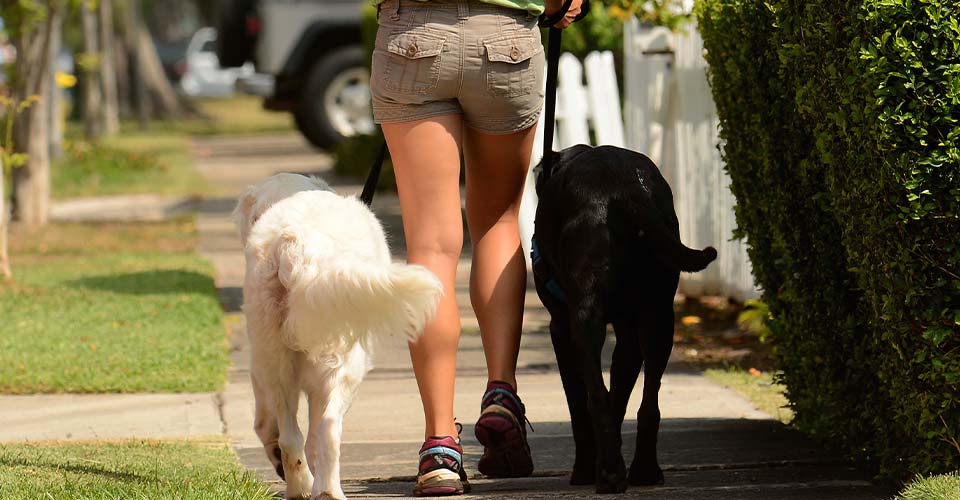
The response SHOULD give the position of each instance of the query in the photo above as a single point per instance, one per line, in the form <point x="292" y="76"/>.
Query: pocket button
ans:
<point x="412" y="50"/>
<point x="515" y="54"/>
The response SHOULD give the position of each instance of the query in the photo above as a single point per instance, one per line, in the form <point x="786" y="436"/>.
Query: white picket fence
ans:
<point x="670" y="117"/>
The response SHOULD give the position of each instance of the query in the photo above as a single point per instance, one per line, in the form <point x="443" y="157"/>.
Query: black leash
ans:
<point x="553" y="66"/>
<point x="370" y="186"/>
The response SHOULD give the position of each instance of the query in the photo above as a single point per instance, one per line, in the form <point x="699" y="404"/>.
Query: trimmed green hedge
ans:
<point x="840" y="124"/>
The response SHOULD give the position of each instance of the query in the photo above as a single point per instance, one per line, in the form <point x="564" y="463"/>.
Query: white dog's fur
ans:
<point x="319" y="290"/>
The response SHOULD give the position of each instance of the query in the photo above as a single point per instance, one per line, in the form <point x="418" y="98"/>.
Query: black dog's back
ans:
<point x="617" y="192"/>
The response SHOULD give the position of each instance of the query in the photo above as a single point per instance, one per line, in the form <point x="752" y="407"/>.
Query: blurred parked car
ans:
<point x="203" y="76"/>
<point x="173" y="58"/>
<point x="314" y="51"/>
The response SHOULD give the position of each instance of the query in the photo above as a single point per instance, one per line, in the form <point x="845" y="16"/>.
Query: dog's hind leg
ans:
<point x="329" y="400"/>
<point x="280" y="371"/>
<point x="585" y="463"/>
<point x="587" y="327"/>
<point x="626" y="364"/>
<point x="656" y="342"/>
<point x="265" y="422"/>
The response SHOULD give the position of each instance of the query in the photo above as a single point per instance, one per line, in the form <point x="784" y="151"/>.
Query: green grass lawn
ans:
<point x="110" y="308"/>
<point x="241" y="114"/>
<point x="158" y="159"/>
<point x="238" y="115"/>
<point x="134" y="162"/>
<point x="154" y="470"/>
<point x="760" y="389"/>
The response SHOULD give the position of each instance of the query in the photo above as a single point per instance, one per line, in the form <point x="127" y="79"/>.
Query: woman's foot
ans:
<point x="441" y="469"/>
<point x="502" y="433"/>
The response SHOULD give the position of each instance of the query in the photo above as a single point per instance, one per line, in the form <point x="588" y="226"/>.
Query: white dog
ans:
<point x="320" y="289"/>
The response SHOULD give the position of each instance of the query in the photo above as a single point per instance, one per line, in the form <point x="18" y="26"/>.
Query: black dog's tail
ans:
<point x="690" y="260"/>
<point x="648" y="222"/>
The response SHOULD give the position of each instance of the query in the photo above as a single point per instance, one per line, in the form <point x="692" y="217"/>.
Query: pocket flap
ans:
<point x="512" y="48"/>
<point x="416" y="45"/>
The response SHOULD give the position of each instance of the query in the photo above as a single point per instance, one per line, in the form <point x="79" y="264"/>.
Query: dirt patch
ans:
<point x="706" y="335"/>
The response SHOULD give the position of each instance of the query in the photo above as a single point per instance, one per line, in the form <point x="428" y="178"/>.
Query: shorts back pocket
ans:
<point x="412" y="64"/>
<point x="511" y="69"/>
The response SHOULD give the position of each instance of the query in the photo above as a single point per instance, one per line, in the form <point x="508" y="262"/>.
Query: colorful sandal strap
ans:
<point x="443" y="451"/>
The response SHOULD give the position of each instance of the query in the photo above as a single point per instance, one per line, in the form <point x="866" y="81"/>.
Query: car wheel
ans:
<point x="335" y="101"/>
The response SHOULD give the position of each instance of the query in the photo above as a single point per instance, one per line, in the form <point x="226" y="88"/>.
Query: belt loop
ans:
<point x="463" y="9"/>
<point x="396" y="14"/>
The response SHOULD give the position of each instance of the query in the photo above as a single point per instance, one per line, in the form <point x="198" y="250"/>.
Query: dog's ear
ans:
<point x="243" y="215"/>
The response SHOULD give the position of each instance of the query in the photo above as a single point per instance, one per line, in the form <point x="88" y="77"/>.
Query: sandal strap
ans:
<point x="442" y="451"/>
<point x="495" y="395"/>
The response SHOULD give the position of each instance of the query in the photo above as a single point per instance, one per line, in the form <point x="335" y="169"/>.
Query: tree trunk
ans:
<point x="55" y="102"/>
<point x="152" y="91"/>
<point x="121" y="64"/>
<point x="31" y="134"/>
<point x="138" y="90"/>
<point x="166" y="104"/>
<point x="108" y="75"/>
<point x="4" y="226"/>
<point x="92" y="112"/>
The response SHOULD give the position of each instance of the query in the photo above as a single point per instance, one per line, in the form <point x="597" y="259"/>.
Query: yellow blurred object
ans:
<point x="65" y="80"/>
<point x="754" y="372"/>
<point x="690" y="320"/>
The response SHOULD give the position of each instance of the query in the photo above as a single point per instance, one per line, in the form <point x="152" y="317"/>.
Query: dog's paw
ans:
<point x="646" y="476"/>
<point x="615" y="482"/>
<point x="584" y="472"/>
<point x="612" y="475"/>
<point x="331" y="496"/>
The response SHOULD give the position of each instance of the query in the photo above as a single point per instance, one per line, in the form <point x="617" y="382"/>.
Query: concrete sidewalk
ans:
<point x="713" y="443"/>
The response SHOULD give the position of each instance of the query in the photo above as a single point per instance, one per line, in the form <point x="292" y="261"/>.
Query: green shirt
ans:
<point x="534" y="7"/>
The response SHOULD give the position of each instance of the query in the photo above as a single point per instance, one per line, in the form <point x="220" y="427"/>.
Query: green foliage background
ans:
<point x="839" y="125"/>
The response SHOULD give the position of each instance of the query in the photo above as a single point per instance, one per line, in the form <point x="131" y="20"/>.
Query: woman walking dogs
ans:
<point x="454" y="77"/>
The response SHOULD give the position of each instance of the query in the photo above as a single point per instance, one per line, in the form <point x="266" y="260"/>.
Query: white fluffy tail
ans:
<point x="337" y="299"/>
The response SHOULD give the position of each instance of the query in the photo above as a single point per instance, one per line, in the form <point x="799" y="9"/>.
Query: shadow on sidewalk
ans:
<point x="710" y="459"/>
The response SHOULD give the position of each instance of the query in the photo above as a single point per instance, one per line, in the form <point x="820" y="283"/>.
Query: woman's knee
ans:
<point x="443" y="251"/>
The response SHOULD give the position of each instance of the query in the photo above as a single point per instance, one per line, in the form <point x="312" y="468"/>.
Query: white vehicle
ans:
<point x="204" y="77"/>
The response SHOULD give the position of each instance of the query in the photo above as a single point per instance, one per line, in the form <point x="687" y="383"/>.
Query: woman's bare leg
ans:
<point x="426" y="159"/>
<point x="496" y="169"/>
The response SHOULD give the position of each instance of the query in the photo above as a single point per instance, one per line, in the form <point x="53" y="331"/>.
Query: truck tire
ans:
<point x="335" y="100"/>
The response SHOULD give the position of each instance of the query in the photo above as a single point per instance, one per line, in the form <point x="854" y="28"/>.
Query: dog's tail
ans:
<point x="666" y="244"/>
<point x="337" y="299"/>
<point x="689" y="260"/>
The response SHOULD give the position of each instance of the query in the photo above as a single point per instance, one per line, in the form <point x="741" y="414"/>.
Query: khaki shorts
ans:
<point x="464" y="57"/>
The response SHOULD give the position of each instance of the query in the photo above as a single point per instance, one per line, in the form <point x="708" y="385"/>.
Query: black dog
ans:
<point x="607" y="250"/>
